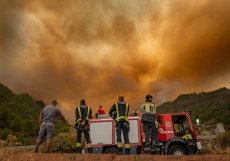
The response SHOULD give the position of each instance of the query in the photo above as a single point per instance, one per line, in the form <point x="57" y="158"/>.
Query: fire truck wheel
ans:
<point x="177" y="150"/>
<point x="111" y="150"/>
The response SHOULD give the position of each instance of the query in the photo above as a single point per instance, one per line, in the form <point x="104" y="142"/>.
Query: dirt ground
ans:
<point x="105" y="157"/>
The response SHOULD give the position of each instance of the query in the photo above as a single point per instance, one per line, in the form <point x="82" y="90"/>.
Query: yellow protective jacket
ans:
<point x="121" y="109"/>
<point x="149" y="110"/>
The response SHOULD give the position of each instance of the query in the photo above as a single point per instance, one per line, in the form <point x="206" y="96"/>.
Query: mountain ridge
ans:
<point x="210" y="107"/>
<point x="19" y="116"/>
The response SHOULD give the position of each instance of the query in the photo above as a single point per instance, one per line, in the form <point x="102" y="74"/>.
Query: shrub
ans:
<point x="224" y="140"/>
<point x="64" y="142"/>
<point x="4" y="133"/>
<point x="61" y="127"/>
<point x="24" y="140"/>
<point x="13" y="141"/>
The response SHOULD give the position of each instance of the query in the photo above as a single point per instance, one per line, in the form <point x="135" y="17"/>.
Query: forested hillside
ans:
<point x="19" y="116"/>
<point x="210" y="107"/>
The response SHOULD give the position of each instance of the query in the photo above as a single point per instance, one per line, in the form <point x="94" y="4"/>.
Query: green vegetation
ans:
<point x="210" y="107"/>
<point x="64" y="142"/>
<point x="19" y="116"/>
<point x="19" y="113"/>
<point x="223" y="141"/>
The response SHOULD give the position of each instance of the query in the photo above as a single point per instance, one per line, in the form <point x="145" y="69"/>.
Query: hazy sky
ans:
<point x="100" y="49"/>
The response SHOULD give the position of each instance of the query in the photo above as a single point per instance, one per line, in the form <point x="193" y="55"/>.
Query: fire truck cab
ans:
<point x="171" y="129"/>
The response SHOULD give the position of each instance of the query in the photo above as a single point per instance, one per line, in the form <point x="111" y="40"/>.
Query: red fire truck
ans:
<point x="170" y="131"/>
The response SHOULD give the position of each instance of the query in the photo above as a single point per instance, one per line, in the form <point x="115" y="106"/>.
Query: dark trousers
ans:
<point x="84" y="130"/>
<point x="121" y="126"/>
<point x="150" y="131"/>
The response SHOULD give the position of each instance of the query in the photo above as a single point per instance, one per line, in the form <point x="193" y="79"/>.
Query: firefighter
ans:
<point x="83" y="115"/>
<point x="119" y="112"/>
<point x="148" y="119"/>
<point x="189" y="140"/>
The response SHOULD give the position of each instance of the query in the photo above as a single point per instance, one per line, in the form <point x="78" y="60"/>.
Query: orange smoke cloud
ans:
<point x="99" y="50"/>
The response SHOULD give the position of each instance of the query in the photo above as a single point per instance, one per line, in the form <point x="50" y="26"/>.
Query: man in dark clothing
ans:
<point x="83" y="115"/>
<point x="148" y="119"/>
<point x="119" y="112"/>
<point x="47" y="124"/>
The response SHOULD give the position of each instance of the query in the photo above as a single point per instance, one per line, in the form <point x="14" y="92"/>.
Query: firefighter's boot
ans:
<point x="127" y="151"/>
<point x="78" y="150"/>
<point x="90" y="150"/>
<point x="120" y="150"/>
<point x="147" y="149"/>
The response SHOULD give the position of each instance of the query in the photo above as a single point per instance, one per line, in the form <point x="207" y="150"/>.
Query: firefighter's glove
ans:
<point x="157" y="124"/>
<point x="114" y="114"/>
<point x="127" y="125"/>
<point x="86" y="121"/>
<point x="86" y="127"/>
<point x="83" y="123"/>
<point x="78" y="126"/>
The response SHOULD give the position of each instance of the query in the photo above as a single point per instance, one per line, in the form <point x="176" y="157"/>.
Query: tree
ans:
<point x="16" y="124"/>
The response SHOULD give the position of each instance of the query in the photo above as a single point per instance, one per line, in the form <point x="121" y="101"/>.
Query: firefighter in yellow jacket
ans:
<point x="119" y="112"/>
<point x="148" y="119"/>
<point x="83" y="115"/>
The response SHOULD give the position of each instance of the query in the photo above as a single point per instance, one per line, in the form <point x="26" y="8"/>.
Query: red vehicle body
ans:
<point x="170" y="131"/>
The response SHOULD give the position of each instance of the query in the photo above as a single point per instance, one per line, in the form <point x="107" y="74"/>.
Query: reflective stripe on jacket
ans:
<point x="148" y="109"/>
<point x="81" y="114"/>
<point x="119" y="116"/>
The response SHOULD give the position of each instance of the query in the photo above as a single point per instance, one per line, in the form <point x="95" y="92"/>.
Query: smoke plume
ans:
<point x="101" y="49"/>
